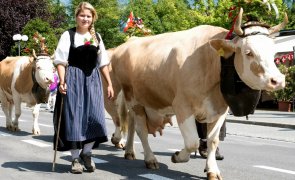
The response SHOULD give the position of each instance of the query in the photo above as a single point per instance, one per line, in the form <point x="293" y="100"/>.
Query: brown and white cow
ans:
<point x="21" y="80"/>
<point x="179" y="73"/>
<point x="119" y="113"/>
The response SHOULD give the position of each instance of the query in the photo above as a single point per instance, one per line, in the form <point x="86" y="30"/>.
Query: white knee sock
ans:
<point x="87" y="148"/>
<point x="75" y="153"/>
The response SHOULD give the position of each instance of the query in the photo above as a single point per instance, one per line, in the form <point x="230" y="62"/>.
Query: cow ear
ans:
<point x="34" y="54"/>
<point x="52" y="56"/>
<point x="223" y="47"/>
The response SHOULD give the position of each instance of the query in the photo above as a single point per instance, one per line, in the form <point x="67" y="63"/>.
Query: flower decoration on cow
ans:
<point x="39" y="42"/>
<point x="134" y="27"/>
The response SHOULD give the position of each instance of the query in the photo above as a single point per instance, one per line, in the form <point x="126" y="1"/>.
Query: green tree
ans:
<point x="291" y="13"/>
<point x="222" y="12"/>
<point x="43" y="28"/>
<point x="144" y="9"/>
<point x="174" y="15"/>
<point x="14" y="14"/>
<point x="108" y="20"/>
<point x="59" y="20"/>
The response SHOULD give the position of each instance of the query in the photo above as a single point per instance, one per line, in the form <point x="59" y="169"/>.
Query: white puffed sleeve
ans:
<point x="62" y="51"/>
<point x="102" y="56"/>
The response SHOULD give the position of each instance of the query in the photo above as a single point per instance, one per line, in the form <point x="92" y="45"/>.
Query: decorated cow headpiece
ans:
<point x="42" y="73"/>
<point x="241" y="98"/>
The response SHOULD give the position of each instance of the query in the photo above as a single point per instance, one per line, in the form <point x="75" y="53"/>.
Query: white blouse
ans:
<point x="63" y="47"/>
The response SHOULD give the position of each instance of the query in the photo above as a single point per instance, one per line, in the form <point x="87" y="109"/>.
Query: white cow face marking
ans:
<point x="44" y="71"/>
<point x="255" y="63"/>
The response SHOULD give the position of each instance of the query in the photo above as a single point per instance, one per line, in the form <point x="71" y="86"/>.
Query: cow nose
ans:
<point x="48" y="80"/>
<point x="277" y="83"/>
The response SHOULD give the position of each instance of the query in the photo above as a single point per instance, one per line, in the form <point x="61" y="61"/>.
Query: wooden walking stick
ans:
<point x="57" y="134"/>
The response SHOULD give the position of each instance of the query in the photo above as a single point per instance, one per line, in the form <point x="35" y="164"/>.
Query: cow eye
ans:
<point x="249" y="53"/>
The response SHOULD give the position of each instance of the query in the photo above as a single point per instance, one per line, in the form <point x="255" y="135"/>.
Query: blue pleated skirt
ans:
<point x="84" y="105"/>
<point x="83" y="115"/>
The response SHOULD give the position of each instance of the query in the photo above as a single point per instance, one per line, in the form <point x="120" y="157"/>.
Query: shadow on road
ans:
<point x="111" y="162"/>
<point x="18" y="133"/>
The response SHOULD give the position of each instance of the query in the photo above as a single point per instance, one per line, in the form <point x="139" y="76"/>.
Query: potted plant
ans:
<point x="285" y="96"/>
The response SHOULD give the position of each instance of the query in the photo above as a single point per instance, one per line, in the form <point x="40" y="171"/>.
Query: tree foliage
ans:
<point x="15" y="14"/>
<point x="43" y="28"/>
<point x="159" y="16"/>
<point x="107" y="24"/>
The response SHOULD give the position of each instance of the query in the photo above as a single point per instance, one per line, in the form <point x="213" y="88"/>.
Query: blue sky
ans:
<point x="66" y="2"/>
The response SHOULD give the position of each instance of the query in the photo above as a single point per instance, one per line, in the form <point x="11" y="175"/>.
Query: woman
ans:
<point x="79" y="54"/>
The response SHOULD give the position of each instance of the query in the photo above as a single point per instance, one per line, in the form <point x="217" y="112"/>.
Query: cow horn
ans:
<point x="237" y="28"/>
<point x="278" y="27"/>
<point x="34" y="54"/>
<point x="52" y="56"/>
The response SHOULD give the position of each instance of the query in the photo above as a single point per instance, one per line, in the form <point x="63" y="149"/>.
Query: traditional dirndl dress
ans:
<point x="82" y="115"/>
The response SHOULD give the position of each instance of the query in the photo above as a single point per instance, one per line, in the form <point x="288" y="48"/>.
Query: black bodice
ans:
<point x="83" y="57"/>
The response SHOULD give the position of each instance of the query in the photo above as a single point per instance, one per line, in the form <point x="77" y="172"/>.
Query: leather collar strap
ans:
<point x="254" y="33"/>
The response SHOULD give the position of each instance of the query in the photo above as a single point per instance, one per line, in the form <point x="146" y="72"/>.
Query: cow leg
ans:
<point x="142" y="132"/>
<point x="129" y="147"/>
<point x="17" y="114"/>
<point x="7" y="109"/>
<point x="213" y="130"/>
<point x="117" y="136"/>
<point x="189" y="133"/>
<point x="36" y="110"/>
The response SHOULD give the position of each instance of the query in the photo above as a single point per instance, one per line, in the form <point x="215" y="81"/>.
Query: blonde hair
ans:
<point x="83" y="6"/>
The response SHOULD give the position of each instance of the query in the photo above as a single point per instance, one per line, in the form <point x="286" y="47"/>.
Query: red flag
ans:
<point x="129" y="22"/>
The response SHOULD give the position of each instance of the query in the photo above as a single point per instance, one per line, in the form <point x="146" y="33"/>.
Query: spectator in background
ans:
<point x="53" y="91"/>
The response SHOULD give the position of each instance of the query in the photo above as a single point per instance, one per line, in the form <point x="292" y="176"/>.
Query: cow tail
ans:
<point x="123" y="114"/>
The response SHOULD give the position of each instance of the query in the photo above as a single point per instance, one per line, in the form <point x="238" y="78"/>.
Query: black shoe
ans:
<point x="203" y="149"/>
<point x="88" y="162"/>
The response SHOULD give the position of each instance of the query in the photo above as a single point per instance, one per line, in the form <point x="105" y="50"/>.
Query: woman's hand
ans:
<point x="110" y="92"/>
<point x="63" y="88"/>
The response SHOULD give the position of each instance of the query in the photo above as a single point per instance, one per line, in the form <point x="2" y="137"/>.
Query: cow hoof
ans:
<point x="120" y="146"/>
<point x="174" y="157"/>
<point x="152" y="164"/>
<point x="129" y="156"/>
<point x="12" y="128"/>
<point x="115" y="140"/>
<point x="36" y="132"/>
<point x="213" y="176"/>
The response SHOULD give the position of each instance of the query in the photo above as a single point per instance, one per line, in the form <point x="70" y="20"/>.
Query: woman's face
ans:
<point x="84" y="19"/>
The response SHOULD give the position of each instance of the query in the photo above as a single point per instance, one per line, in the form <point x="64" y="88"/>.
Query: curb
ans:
<point x="291" y="126"/>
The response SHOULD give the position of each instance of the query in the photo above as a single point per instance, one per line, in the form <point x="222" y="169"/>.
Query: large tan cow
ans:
<point x="24" y="79"/>
<point x="179" y="73"/>
<point x="119" y="113"/>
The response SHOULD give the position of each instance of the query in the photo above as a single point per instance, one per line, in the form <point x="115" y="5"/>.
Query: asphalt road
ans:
<point x="251" y="153"/>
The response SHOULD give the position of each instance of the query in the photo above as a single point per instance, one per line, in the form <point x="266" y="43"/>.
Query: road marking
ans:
<point x="45" y="125"/>
<point x="5" y="134"/>
<point x="275" y="169"/>
<point x="67" y="153"/>
<point x="154" y="176"/>
<point x="99" y="161"/>
<point x="174" y="150"/>
<point x="23" y="169"/>
<point x="96" y="160"/>
<point x="2" y="116"/>
<point x="36" y="143"/>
